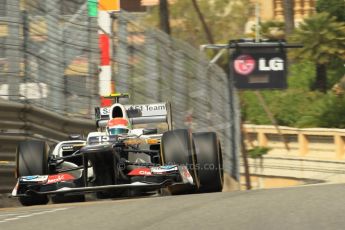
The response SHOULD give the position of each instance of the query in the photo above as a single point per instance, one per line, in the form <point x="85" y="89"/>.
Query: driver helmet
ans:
<point x="117" y="126"/>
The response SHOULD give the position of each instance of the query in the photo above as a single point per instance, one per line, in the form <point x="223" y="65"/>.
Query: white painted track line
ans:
<point x="20" y="215"/>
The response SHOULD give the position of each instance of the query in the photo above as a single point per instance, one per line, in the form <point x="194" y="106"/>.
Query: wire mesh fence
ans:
<point x="49" y="57"/>
<point x="153" y="67"/>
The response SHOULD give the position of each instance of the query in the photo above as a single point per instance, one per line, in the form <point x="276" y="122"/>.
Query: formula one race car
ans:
<point x="119" y="160"/>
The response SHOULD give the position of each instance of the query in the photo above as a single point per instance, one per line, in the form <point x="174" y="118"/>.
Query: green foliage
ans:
<point x="336" y="70"/>
<point x="296" y="106"/>
<point x="333" y="7"/>
<point x="301" y="75"/>
<point x="258" y="152"/>
<point x="252" y="111"/>
<point x="332" y="112"/>
<point x="323" y="39"/>
<point x="288" y="107"/>
<point x="225" y="18"/>
<point x="273" y="30"/>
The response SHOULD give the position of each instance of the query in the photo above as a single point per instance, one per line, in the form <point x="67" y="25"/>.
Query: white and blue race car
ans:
<point x="119" y="160"/>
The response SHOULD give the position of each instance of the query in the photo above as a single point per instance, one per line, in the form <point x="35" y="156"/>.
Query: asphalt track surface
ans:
<point x="307" y="207"/>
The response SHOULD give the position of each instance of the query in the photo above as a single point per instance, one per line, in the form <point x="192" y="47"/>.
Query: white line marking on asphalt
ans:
<point x="29" y="215"/>
<point x="4" y="216"/>
<point x="14" y="214"/>
<point x="24" y="216"/>
<point x="9" y="219"/>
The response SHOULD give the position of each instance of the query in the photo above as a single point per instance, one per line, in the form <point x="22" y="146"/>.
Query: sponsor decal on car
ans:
<point x="59" y="177"/>
<point x="186" y="177"/>
<point x="67" y="147"/>
<point x="35" y="178"/>
<point x="140" y="172"/>
<point x="164" y="169"/>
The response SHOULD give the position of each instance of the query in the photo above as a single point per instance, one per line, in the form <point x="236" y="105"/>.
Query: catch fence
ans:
<point x="49" y="58"/>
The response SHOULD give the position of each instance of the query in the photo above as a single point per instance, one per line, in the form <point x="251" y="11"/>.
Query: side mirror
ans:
<point x="150" y="131"/>
<point x="75" y="137"/>
<point x="101" y="123"/>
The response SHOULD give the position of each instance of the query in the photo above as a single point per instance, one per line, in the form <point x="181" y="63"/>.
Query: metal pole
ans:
<point x="151" y="68"/>
<point x="178" y="87"/>
<point x="55" y="71"/>
<point x="234" y="130"/>
<point x="92" y="67"/>
<point x="122" y="56"/>
<point x="204" y="96"/>
<point x="65" y="103"/>
<point x="13" y="53"/>
<point x="25" y="48"/>
<point x="257" y="22"/>
<point x="245" y="162"/>
<point x="164" y="16"/>
<point x="289" y="19"/>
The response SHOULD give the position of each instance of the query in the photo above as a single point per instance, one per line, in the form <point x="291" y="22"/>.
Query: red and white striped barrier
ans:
<point x="105" y="8"/>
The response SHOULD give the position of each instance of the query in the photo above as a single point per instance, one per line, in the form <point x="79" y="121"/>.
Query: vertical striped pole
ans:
<point x="105" y="8"/>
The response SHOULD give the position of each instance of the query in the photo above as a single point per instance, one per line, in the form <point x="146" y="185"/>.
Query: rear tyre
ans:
<point x="210" y="162"/>
<point x="177" y="148"/>
<point x="32" y="159"/>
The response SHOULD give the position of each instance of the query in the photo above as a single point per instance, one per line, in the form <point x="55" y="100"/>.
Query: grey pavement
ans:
<point x="306" y="207"/>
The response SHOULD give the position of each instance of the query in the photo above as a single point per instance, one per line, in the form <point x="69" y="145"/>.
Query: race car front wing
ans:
<point x="34" y="183"/>
<point x="135" y="185"/>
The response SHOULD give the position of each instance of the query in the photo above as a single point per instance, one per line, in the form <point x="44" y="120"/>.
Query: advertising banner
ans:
<point x="259" y="68"/>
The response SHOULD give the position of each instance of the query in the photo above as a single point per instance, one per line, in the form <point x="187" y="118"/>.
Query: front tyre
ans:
<point x="177" y="148"/>
<point x="32" y="159"/>
<point x="58" y="199"/>
<point x="34" y="200"/>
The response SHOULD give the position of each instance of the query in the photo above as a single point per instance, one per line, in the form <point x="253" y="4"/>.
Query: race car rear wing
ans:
<point x="136" y="114"/>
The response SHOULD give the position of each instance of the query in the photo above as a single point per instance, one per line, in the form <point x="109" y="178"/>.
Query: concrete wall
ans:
<point x="314" y="156"/>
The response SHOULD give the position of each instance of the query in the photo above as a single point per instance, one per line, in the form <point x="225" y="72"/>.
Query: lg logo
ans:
<point x="274" y="64"/>
<point x="246" y="64"/>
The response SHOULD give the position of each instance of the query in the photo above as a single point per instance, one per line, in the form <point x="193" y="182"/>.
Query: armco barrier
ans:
<point x="7" y="179"/>
<point x="19" y="122"/>
<point x="47" y="123"/>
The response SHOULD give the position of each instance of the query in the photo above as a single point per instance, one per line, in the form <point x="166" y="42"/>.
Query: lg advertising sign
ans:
<point x="259" y="68"/>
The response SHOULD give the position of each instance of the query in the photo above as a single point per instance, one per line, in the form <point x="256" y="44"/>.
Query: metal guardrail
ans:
<point x="31" y="119"/>
<point x="7" y="179"/>
<point x="20" y="122"/>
